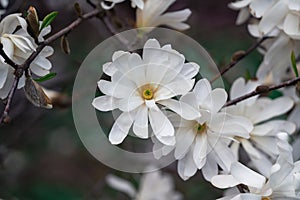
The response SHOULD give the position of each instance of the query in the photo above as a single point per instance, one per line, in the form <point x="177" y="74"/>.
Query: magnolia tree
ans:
<point x="241" y="139"/>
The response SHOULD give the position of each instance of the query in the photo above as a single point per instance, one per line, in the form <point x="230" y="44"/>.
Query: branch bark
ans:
<point x="20" y="69"/>
<point x="261" y="90"/>
<point x="237" y="60"/>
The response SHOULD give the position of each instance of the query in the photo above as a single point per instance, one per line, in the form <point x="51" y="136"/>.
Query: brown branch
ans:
<point x="238" y="59"/>
<point x="11" y="94"/>
<point x="20" y="69"/>
<point x="262" y="89"/>
<point x="6" y="58"/>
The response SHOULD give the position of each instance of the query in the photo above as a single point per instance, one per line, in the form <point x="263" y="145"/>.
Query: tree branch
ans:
<point x="262" y="89"/>
<point x="20" y="69"/>
<point x="6" y="58"/>
<point x="4" y="117"/>
<point x="238" y="59"/>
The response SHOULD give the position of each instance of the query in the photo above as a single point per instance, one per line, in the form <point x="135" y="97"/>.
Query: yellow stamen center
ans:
<point x="147" y="94"/>
<point x="201" y="128"/>
<point x="265" y="198"/>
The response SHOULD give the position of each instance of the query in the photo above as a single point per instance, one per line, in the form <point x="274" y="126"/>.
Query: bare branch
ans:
<point x="20" y="69"/>
<point x="262" y="89"/>
<point x="237" y="60"/>
<point x="6" y="58"/>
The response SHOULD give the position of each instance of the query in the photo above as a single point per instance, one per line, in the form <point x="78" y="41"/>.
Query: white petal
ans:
<point x="3" y="74"/>
<point x="271" y="109"/>
<point x="291" y="24"/>
<point x="130" y="103"/>
<point x="184" y="110"/>
<point x="243" y="16"/>
<point x="215" y="100"/>
<point x="200" y="150"/>
<point x="224" y="181"/>
<point x="186" y="167"/>
<point x="104" y="103"/>
<point x="259" y="7"/>
<point x="250" y="149"/>
<point x="239" y="4"/>
<point x="184" y="139"/>
<point x="109" y="69"/>
<point x="202" y="90"/>
<point x="273" y="17"/>
<point x="161" y="125"/>
<point x="190" y="70"/>
<point x="140" y="126"/>
<point x="120" y="128"/>
<point x="121" y="185"/>
<point x="247" y="176"/>
<point x="177" y="87"/>
<point x="210" y="169"/>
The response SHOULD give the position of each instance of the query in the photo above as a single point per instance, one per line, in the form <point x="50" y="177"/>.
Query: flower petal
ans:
<point x="184" y="110"/>
<point x="121" y="128"/>
<point x="140" y="126"/>
<point x="121" y="185"/>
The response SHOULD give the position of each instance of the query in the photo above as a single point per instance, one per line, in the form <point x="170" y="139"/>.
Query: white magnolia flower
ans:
<point x="256" y="8"/>
<point x="283" y="182"/>
<point x="18" y="46"/>
<point x="112" y="3"/>
<point x="153" y="15"/>
<point x="203" y="143"/>
<point x="153" y="186"/>
<point x="139" y="86"/>
<point x="294" y="115"/>
<point x="260" y="111"/>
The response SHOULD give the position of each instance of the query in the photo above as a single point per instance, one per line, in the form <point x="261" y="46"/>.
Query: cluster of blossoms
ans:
<point x="196" y="128"/>
<point x="189" y="119"/>
<point x="279" y="20"/>
<point x="18" y="45"/>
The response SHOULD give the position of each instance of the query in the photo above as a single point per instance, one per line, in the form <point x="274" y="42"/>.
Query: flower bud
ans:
<point x="64" y="44"/>
<point x="36" y="95"/>
<point x="33" y="21"/>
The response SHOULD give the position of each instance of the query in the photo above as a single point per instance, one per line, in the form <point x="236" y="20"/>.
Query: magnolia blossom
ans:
<point x="256" y="8"/>
<point x="112" y="3"/>
<point x="264" y="136"/>
<point x="283" y="182"/>
<point x="153" y="186"/>
<point x="203" y="143"/>
<point x="18" y="46"/>
<point x="140" y="86"/>
<point x="153" y="15"/>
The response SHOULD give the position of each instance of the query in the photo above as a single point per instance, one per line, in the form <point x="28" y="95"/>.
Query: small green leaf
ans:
<point x="48" y="20"/>
<point x="46" y="78"/>
<point x="294" y="64"/>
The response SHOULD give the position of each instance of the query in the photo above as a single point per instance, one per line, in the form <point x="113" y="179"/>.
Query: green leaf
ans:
<point x="275" y="94"/>
<point x="294" y="64"/>
<point x="45" y="78"/>
<point x="48" y="20"/>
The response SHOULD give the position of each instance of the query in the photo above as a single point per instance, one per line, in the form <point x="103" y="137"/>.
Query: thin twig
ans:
<point x="237" y="60"/>
<point x="9" y="99"/>
<point x="20" y="69"/>
<point x="262" y="89"/>
<point x="6" y="58"/>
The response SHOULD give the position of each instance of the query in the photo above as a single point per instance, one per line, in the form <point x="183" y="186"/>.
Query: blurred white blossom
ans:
<point x="153" y="15"/>
<point x="262" y="143"/>
<point x="153" y="186"/>
<point x="18" y="46"/>
<point x="109" y="4"/>
<point x="139" y="85"/>
<point x="283" y="182"/>
<point x="203" y="143"/>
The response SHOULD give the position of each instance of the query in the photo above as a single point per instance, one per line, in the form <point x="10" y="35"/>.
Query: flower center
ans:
<point x="265" y="198"/>
<point x="147" y="94"/>
<point x="201" y="128"/>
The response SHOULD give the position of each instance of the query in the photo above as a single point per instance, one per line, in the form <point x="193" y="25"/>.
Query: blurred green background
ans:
<point x="41" y="155"/>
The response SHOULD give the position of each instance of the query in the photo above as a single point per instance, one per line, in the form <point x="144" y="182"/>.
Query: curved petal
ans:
<point x="104" y="103"/>
<point x="184" y="139"/>
<point x="121" y="128"/>
<point x="140" y="126"/>
<point x="121" y="185"/>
